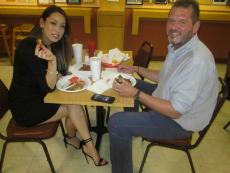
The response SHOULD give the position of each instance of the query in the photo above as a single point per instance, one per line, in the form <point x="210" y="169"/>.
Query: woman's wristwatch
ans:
<point x="136" y="96"/>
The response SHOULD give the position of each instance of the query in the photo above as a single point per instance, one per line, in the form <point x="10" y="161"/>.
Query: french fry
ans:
<point x="39" y="41"/>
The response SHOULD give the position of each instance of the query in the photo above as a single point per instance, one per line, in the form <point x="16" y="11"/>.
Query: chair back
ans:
<point x="4" y="104"/>
<point x="144" y="55"/>
<point x="220" y="101"/>
<point x="227" y="74"/>
<point x="5" y="35"/>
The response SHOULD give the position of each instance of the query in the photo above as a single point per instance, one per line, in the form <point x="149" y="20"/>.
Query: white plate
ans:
<point x="63" y="83"/>
<point x="127" y="76"/>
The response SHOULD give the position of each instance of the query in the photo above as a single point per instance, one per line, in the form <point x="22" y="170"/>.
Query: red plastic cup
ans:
<point x="91" y="47"/>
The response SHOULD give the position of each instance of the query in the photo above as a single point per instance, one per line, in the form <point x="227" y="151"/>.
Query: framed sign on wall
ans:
<point x="161" y="1"/>
<point x="60" y="1"/>
<point x="45" y="2"/>
<point x="18" y="2"/>
<point x="74" y="1"/>
<point x="220" y="2"/>
<point x="134" y="2"/>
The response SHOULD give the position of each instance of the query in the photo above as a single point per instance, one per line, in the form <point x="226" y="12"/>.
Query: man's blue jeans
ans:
<point x="123" y="126"/>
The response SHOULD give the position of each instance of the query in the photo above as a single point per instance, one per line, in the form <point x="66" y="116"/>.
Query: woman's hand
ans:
<point x="44" y="53"/>
<point x="127" y="69"/>
<point x="51" y="72"/>
<point x="124" y="88"/>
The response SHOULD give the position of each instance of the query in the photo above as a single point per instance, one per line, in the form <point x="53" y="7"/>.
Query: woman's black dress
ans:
<point x="29" y="87"/>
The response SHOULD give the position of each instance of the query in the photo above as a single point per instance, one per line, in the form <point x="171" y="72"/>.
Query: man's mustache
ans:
<point x="172" y="31"/>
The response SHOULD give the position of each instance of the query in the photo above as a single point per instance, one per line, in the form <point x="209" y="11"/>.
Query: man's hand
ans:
<point x="127" y="69"/>
<point x="124" y="88"/>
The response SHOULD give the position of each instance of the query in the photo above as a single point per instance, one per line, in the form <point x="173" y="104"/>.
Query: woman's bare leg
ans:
<point x="81" y="124"/>
<point x="76" y="115"/>
<point x="70" y="128"/>
<point x="71" y="137"/>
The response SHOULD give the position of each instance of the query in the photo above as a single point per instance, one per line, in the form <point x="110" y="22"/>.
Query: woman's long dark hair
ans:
<point x="61" y="49"/>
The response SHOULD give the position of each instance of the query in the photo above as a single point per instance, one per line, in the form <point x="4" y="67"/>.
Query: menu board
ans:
<point x="18" y="2"/>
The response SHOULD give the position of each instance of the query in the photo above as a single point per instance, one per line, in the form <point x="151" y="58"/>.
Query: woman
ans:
<point x="39" y="61"/>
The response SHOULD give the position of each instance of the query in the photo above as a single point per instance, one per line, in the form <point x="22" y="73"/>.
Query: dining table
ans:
<point x="84" y="98"/>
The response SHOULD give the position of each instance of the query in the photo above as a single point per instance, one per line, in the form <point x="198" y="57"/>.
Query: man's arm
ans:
<point x="159" y="105"/>
<point x="151" y="75"/>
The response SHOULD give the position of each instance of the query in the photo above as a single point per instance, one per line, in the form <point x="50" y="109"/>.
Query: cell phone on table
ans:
<point x="103" y="98"/>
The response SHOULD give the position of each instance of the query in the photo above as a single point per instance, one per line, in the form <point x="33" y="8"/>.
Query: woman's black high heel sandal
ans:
<point x="101" y="160"/>
<point x="67" y="143"/>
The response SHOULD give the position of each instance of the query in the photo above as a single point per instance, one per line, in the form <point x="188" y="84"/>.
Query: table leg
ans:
<point x="100" y="129"/>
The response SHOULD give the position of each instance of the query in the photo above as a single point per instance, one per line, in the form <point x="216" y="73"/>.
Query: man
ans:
<point x="184" y="98"/>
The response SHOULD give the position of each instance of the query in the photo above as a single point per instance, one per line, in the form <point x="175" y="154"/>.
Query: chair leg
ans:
<point x="226" y="125"/>
<point x="3" y="155"/>
<point x="144" y="158"/>
<point x="63" y="130"/>
<point x="47" y="155"/>
<point x="7" y="47"/>
<point x="190" y="160"/>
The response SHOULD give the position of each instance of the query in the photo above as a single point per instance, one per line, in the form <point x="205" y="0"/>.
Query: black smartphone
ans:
<point x="103" y="98"/>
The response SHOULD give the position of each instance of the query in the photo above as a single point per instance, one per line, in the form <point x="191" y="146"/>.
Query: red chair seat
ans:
<point x="42" y="131"/>
<point x="177" y="142"/>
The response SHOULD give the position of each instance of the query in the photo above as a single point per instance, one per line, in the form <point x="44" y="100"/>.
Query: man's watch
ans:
<point x="136" y="96"/>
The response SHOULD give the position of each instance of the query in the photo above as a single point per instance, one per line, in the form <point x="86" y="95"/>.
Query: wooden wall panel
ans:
<point x="76" y="25"/>
<point x="77" y="30"/>
<point x="216" y="35"/>
<point x="149" y="30"/>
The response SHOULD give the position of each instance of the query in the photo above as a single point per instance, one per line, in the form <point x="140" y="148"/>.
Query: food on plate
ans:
<point x="75" y="83"/>
<point x="110" y="61"/>
<point x="119" y="79"/>
<point x="74" y="79"/>
<point x="114" y="61"/>
<point x="85" y="67"/>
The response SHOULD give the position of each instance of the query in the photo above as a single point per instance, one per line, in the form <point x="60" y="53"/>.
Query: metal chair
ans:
<point x="227" y="75"/>
<point x="185" y="144"/>
<point x="143" y="57"/>
<point x="17" y="133"/>
<point x="5" y="34"/>
<point x="226" y="125"/>
<point x="227" y="80"/>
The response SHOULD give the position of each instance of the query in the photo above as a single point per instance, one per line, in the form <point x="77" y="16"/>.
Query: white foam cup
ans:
<point x="95" y="68"/>
<point x="77" y="52"/>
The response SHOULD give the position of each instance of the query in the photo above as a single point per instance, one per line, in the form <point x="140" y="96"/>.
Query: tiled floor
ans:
<point x="212" y="156"/>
